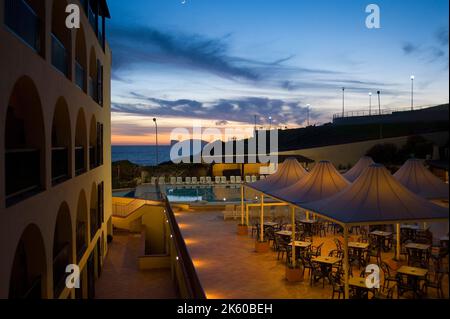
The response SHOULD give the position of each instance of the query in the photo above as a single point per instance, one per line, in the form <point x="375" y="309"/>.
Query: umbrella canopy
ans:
<point x="414" y="176"/>
<point x="323" y="181"/>
<point x="377" y="197"/>
<point x="289" y="172"/>
<point x="352" y="174"/>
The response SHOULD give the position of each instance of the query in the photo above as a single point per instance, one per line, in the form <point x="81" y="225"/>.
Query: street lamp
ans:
<point x="270" y="123"/>
<point x="412" y="92"/>
<point x="156" y="137"/>
<point x="370" y="103"/>
<point x="379" y="102"/>
<point x="307" y="113"/>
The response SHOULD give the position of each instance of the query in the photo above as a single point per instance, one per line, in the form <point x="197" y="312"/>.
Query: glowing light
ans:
<point x="190" y="241"/>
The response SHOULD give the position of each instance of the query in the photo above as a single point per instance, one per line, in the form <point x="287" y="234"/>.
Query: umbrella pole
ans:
<point x="346" y="265"/>
<point x="399" y="247"/>
<point x="294" y="260"/>
<point x="261" y="235"/>
<point x="242" y="205"/>
<point x="307" y="215"/>
<point x="246" y="215"/>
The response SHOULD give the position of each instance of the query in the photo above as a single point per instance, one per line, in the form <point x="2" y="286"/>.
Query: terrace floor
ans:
<point x="121" y="277"/>
<point x="229" y="268"/>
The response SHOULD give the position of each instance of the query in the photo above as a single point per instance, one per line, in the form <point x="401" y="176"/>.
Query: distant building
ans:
<point x="55" y="159"/>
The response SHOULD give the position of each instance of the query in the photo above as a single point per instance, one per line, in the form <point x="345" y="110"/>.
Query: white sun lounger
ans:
<point x="179" y="180"/>
<point x="208" y="180"/>
<point x="238" y="180"/>
<point x="173" y="180"/>
<point x="188" y="180"/>
<point x="194" y="180"/>
<point x="223" y="179"/>
<point x="153" y="180"/>
<point x="217" y="179"/>
<point x="202" y="179"/>
<point x="162" y="180"/>
<point x="262" y="177"/>
<point x="233" y="179"/>
<point x="248" y="179"/>
<point x="254" y="178"/>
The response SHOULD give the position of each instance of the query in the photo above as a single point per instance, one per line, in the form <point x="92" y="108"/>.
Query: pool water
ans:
<point x="210" y="194"/>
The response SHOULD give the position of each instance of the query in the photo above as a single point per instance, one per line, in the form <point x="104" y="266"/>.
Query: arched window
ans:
<point x="93" y="162"/>
<point x="80" y="144"/>
<point x="61" y="39"/>
<point x="26" y="18"/>
<point x="62" y="249"/>
<point x="24" y="143"/>
<point x="82" y="235"/>
<point x="95" y="78"/>
<point x="61" y="143"/>
<point x="81" y="60"/>
<point x="29" y="271"/>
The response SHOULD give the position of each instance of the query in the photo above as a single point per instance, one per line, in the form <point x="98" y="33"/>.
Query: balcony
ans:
<point x="60" y="165"/>
<point x="80" y="74"/>
<point x="24" y="22"/>
<point x="59" y="56"/>
<point x="60" y="261"/>
<point x="23" y="174"/>
<point x="80" y="166"/>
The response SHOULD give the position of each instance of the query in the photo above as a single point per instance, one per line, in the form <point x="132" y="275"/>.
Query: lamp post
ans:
<point x="156" y="137"/>
<point x="307" y="114"/>
<point x="412" y="92"/>
<point x="343" y="102"/>
<point x="370" y="103"/>
<point x="270" y="123"/>
<point x="379" y="102"/>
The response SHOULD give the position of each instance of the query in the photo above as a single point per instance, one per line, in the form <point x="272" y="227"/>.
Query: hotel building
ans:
<point x="55" y="154"/>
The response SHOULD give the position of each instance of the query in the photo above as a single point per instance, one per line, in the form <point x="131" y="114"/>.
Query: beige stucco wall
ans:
<point x="345" y="154"/>
<point x="17" y="60"/>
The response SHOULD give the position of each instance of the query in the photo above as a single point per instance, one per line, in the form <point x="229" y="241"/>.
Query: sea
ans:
<point x="144" y="155"/>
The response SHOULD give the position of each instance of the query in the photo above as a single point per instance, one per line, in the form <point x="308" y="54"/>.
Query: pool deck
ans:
<point x="229" y="268"/>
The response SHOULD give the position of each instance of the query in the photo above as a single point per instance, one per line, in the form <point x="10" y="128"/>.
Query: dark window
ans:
<point x="59" y="56"/>
<point x="24" y="22"/>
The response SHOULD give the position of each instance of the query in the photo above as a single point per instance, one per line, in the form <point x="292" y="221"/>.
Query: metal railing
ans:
<point x="187" y="279"/>
<point x="375" y="112"/>
<point x="59" y="56"/>
<point x="125" y="209"/>
<point x="24" y="22"/>
<point x="79" y="75"/>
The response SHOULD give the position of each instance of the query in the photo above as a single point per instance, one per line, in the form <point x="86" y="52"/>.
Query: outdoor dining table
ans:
<point x="381" y="238"/>
<point x="360" y="287"/>
<point x="308" y="223"/>
<point x="270" y="224"/>
<point x="417" y="246"/>
<point x="326" y="264"/>
<point x="358" y="249"/>
<point x="414" y="275"/>
<point x="284" y="233"/>
<point x="300" y="246"/>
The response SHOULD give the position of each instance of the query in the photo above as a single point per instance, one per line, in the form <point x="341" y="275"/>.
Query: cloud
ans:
<point x="241" y="110"/>
<point x="410" y="48"/>
<point x="442" y="36"/>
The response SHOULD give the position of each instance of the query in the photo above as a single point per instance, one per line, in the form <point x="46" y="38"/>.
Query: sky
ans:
<point x="223" y="64"/>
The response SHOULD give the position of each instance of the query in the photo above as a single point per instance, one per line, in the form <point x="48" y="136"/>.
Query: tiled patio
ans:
<point x="121" y="278"/>
<point x="228" y="267"/>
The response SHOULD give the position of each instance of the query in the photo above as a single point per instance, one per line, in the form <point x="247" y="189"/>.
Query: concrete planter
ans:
<point x="242" y="230"/>
<point x="294" y="274"/>
<point x="262" y="246"/>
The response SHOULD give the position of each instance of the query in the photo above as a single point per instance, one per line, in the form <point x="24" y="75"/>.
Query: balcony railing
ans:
<point x="60" y="164"/>
<point x="81" y="239"/>
<point x="24" y="22"/>
<point x="93" y="89"/>
<point x="59" y="56"/>
<point x="23" y="173"/>
<point x="60" y="262"/>
<point x="80" y="166"/>
<point x="80" y="75"/>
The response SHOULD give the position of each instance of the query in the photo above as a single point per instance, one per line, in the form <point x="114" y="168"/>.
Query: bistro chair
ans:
<point x="338" y="287"/>
<point x="388" y="275"/>
<point x="316" y="251"/>
<point x="435" y="283"/>
<point x="389" y="294"/>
